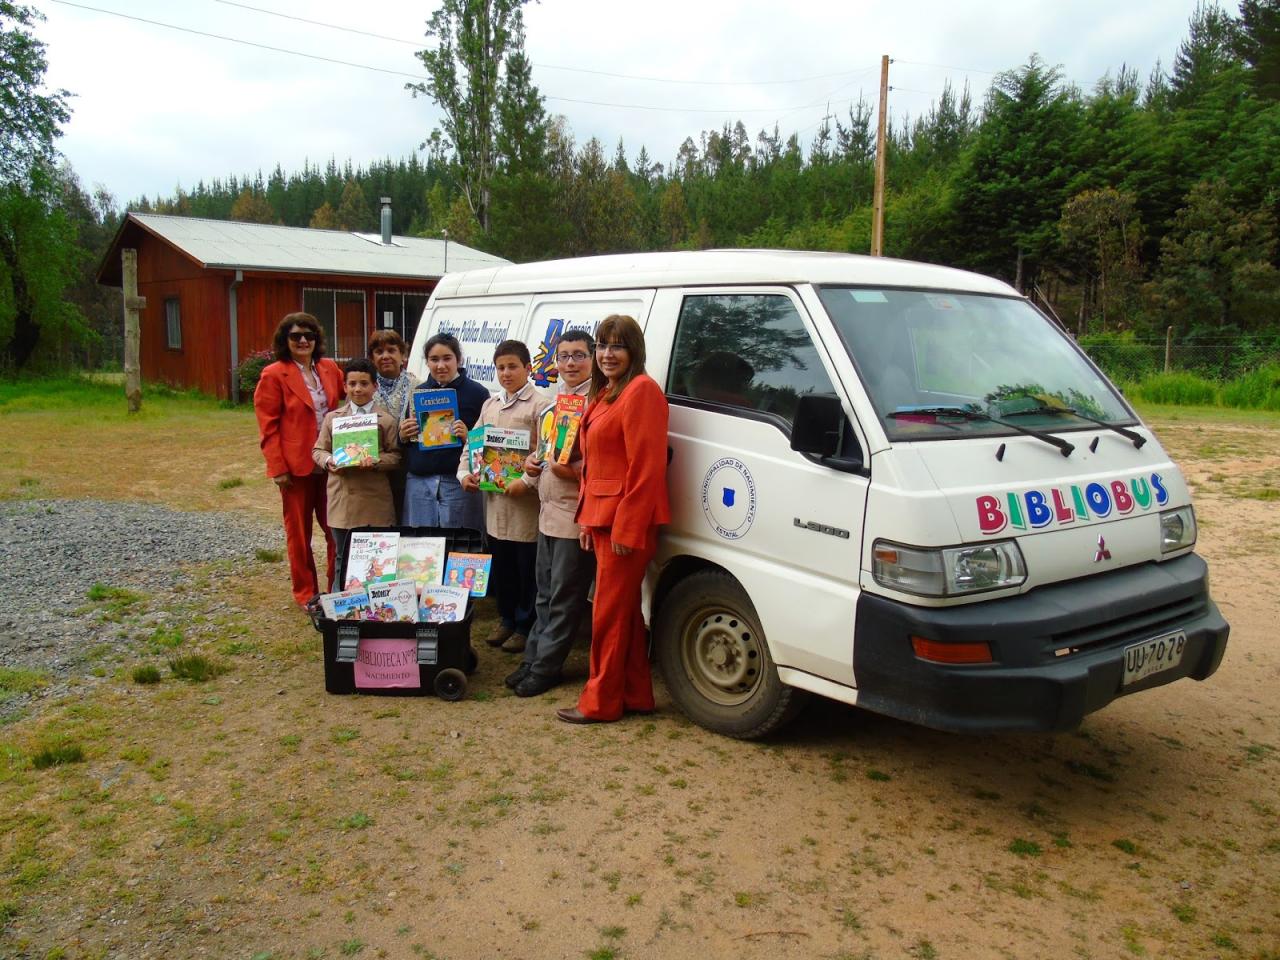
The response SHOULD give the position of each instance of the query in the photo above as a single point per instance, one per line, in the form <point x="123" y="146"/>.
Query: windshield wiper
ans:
<point x="1136" y="438"/>
<point x="965" y="413"/>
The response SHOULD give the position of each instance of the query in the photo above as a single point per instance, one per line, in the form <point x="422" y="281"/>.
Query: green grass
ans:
<point x="197" y="668"/>
<point x="168" y="637"/>
<point x="57" y="755"/>
<point x="1025" y="848"/>
<point x="230" y="483"/>
<point x="268" y="556"/>
<point x="1257" y="390"/>
<point x="147" y="673"/>
<point x="15" y="680"/>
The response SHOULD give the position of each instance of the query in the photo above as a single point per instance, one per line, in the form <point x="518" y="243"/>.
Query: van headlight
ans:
<point x="1177" y="529"/>
<point x="946" y="571"/>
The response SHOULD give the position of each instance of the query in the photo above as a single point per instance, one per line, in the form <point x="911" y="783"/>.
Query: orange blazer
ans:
<point x="287" y="417"/>
<point x="624" y="458"/>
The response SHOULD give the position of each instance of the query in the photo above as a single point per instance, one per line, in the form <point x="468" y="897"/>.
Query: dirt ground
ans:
<point x="254" y="816"/>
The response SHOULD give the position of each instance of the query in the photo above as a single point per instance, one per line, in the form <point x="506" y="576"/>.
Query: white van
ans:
<point x="893" y="484"/>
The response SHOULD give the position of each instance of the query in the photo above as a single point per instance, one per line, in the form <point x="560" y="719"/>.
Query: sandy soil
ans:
<point x="256" y="816"/>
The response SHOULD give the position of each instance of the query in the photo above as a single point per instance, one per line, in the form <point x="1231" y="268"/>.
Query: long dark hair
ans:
<point x="618" y="328"/>
<point x="280" y="340"/>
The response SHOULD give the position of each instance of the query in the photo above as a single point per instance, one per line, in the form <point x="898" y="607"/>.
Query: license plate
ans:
<point x="1143" y="659"/>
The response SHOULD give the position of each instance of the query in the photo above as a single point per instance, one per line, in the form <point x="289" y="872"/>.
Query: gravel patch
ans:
<point x="52" y="553"/>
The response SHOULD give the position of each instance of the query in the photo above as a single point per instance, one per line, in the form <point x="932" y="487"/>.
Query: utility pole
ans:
<point x="877" y="202"/>
<point x="133" y="305"/>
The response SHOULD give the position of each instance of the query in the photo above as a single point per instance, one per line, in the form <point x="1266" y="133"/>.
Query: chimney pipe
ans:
<point x="386" y="220"/>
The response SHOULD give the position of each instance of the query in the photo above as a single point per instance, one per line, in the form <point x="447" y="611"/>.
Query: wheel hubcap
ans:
<point x="721" y="655"/>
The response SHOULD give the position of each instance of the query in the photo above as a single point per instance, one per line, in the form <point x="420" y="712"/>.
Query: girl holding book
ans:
<point x="623" y="501"/>
<point x="433" y="497"/>
<point x="291" y="400"/>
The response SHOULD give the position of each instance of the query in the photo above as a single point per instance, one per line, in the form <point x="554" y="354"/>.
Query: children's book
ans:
<point x="569" y="410"/>
<point x="355" y="440"/>
<point x="505" y="449"/>
<point x="475" y="449"/>
<point x="442" y="604"/>
<point x="346" y="605"/>
<point x="436" y="410"/>
<point x="371" y="556"/>
<point x="546" y="433"/>
<point x="394" y="602"/>
<point x="421" y="560"/>
<point x="470" y="570"/>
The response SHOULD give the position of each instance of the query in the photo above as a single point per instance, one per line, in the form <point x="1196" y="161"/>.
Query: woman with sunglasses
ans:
<point x="621" y="504"/>
<point x="291" y="400"/>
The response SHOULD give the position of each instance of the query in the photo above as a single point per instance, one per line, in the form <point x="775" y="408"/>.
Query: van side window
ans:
<point x="745" y="350"/>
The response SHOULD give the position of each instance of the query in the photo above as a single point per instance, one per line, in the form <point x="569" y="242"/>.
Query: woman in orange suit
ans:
<point x="621" y="503"/>
<point x="291" y="399"/>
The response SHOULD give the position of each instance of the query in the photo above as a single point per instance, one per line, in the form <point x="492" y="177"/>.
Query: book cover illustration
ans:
<point x="546" y="433"/>
<point x="371" y="556"/>
<point x="470" y="570"/>
<point x="505" y="449"/>
<point x="442" y="604"/>
<point x="435" y="411"/>
<point x="355" y="440"/>
<point x="394" y="602"/>
<point x="346" y="605"/>
<point x="475" y="449"/>
<point x="421" y="559"/>
<point x="569" y="410"/>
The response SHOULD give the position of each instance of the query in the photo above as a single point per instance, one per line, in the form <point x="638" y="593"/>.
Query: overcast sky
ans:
<point x="156" y="108"/>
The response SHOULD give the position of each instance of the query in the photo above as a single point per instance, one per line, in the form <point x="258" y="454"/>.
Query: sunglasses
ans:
<point x="577" y="356"/>
<point x="297" y="336"/>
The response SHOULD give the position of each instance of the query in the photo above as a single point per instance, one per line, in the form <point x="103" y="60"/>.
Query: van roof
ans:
<point x="702" y="267"/>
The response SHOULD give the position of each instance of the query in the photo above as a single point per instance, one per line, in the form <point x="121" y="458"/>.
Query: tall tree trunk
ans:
<point x="26" y="333"/>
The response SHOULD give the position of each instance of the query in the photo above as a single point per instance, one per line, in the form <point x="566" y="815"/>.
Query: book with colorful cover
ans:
<point x="470" y="570"/>
<point x="436" y="410"/>
<point x="568" y="414"/>
<point x="546" y="433"/>
<point x="371" y="557"/>
<point x="346" y="604"/>
<point x="355" y="440"/>
<point x="505" y="449"/>
<point x="475" y="449"/>
<point x="422" y="560"/>
<point x="442" y="604"/>
<point x="394" y="602"/>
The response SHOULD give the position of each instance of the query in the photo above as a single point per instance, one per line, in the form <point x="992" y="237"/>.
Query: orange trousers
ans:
<point x="619" y="679"/>
<point x="303" y="500"/>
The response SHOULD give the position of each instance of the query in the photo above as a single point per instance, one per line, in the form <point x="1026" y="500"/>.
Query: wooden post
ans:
<point x="877" y="201"/>
<point x="133" y="305"/>
<point x="1168" y="349"/>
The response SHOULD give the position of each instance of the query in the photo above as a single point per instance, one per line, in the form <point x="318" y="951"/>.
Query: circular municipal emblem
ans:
<point x="729" y="498"/>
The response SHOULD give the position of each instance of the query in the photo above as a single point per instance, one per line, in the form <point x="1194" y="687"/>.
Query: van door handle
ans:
<point x="670" y="453"/>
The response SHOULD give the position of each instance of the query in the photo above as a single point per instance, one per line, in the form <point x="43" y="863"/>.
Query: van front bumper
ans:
<point x="1058" y="651"/>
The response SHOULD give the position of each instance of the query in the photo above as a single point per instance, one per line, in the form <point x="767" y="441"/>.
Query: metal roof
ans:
<point x="227" y="244"/>
<point x="684" y="268"/>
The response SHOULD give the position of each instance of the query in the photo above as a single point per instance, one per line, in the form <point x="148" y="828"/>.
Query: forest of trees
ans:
<point x="1143" y="203"/>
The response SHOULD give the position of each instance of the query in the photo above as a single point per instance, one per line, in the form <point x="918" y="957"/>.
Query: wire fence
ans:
<point x="1220" y="360"/>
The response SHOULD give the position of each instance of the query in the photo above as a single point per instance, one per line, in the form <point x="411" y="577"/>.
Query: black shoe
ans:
<point x="533" y="684"/>
<point x="516" y="675"/>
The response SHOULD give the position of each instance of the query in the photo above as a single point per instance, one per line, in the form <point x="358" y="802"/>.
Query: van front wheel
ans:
<point x="715" y="660"/>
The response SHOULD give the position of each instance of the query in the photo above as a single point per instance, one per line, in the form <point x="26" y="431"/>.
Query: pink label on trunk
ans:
<point x="387" y="663"/>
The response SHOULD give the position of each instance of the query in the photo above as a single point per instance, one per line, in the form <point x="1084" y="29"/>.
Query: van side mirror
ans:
<point x="818" y="424"/>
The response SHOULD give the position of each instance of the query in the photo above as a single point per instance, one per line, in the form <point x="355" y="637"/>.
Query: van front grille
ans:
<point x="1132" y="627"/>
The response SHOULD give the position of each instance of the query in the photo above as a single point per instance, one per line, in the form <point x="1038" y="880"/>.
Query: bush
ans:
<point x="148" y="673"/>
<point x="1121" y="357"/>
<point x="57" y="755"/>
<point x="1184" y="389"/>
<point x="197" y="668"/>
<point x="250" y="370"/>
<point x="1257" y="390"/>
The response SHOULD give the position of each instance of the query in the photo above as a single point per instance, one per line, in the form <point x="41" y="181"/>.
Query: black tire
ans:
<point x="450" y="684"/>
<point x="715" y="660"/>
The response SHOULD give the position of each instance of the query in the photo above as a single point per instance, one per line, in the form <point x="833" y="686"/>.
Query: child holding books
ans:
<point x="564" y="570"/>
<point x="511" y="517"/>
<point x="359" y="495"/>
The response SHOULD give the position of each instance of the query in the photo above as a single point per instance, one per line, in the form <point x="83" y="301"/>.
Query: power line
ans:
<point x="553" y="66"/>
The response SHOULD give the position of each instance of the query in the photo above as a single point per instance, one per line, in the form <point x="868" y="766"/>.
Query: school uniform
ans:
<point x="289" y="418"/>
<point x="563" y="570"/>
<point x="358" y="497"/>
<point x="510" y="522"/>
<point x="623" y="499"/>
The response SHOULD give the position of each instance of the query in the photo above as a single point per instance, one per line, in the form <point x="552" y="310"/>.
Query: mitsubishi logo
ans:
<point x="1103" y="553"/>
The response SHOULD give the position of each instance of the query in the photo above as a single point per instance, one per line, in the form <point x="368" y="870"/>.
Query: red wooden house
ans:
<point x="216" y="289"/>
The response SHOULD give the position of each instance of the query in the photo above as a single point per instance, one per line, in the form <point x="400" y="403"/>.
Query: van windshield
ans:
<point x="941" y="365"/>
